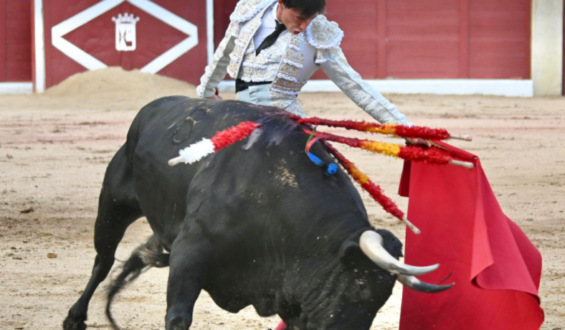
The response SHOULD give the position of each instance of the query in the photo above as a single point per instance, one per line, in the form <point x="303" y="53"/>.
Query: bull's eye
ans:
<point x="361" y="284"/>
<point x="364" y="292"/>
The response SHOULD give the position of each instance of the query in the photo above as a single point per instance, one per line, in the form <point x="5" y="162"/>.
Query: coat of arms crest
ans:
<point x="125" y="32"/>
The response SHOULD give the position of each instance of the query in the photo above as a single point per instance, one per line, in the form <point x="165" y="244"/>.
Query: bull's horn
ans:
<point x="372" y="245"/>
<point x="415" y="284"/>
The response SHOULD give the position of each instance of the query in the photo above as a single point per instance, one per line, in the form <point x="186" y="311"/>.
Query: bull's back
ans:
<point x="239" y="184"/>
<point x="158" y="132"/>
<point x="169" y="124"/>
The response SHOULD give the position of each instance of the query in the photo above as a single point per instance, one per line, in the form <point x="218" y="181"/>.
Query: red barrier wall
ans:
<point x="15" y="40"/>
<point x="97" y="38"/>
<point x="403" y="39"/>
<point x="222" y="12"/>
<point x="417" y="39"/>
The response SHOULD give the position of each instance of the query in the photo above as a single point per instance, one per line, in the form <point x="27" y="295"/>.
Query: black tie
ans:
<point x="270" y="40"/>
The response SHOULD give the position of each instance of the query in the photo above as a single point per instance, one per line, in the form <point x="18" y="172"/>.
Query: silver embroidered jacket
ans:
<point x="290" y="62"/>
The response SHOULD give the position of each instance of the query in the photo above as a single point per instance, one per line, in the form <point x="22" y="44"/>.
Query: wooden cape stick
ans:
<point x="402" y="131"/>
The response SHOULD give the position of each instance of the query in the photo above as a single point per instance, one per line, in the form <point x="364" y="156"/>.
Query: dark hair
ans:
<point x="307" y="8"/>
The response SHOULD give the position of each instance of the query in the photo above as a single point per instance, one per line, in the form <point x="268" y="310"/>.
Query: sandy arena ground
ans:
<point x="54" y="149"/>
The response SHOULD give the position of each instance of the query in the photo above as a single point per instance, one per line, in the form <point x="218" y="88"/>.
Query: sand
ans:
<point x="54" y="149"/>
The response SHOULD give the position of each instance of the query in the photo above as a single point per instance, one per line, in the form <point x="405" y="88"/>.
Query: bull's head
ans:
<point x="359" y="285"/>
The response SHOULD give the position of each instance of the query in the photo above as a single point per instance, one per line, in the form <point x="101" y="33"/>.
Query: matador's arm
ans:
<point x="326" y="36"/>
<point x="216" y="70"/>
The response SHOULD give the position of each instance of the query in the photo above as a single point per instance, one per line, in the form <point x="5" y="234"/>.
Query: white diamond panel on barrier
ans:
<point x="128" y="41"/>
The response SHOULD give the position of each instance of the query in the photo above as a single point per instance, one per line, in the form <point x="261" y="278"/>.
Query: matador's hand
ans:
<point x="418" y="141"/>
<point x="215" y="96"/>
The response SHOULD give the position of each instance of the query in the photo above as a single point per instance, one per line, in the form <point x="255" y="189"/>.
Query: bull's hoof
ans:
<point x="74" y="324"/>
<point x="178" y="323"/>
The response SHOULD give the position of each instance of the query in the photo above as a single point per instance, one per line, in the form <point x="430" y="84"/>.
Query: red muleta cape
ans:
<point x="496" y="269"/>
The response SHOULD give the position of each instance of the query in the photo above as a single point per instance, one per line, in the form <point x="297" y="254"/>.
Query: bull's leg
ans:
<point x="186" y="277"/>
<point x="110" y="228"/>
<point x="118" y="208"/>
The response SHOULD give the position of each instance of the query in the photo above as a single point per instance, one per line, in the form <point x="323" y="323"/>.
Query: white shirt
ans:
<point x="267" y="27"/>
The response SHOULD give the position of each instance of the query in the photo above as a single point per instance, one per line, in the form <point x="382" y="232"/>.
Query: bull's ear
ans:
<point x="350" y="250"/>
<point x="391" y="243"/>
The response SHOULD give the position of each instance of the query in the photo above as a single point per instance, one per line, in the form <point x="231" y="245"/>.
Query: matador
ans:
<point x="271" y="49"/>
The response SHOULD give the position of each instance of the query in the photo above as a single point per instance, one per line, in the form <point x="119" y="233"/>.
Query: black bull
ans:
<point x="255" y="224"/>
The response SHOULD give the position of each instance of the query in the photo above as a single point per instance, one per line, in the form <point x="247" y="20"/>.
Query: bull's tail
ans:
<point x="147" y="255"/>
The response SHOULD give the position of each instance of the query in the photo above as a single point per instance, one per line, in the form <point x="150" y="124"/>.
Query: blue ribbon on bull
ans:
<point x="331" y="168"/>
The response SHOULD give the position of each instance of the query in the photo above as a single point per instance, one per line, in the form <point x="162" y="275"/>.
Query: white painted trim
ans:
<point x="39" y="47"/>
<point x="210" y="28"/>
<point x="501" y="87"/>
<point x="91" y="63"/>
<point x="85" y="16"/>
<point x="547" y="47"/>
<point x="174" y="21"/>
<point x="16" y="88"/>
